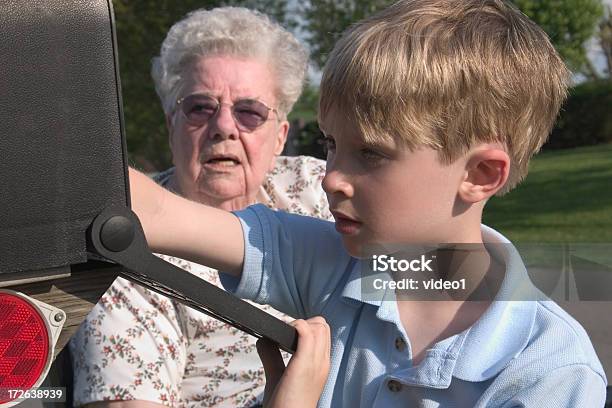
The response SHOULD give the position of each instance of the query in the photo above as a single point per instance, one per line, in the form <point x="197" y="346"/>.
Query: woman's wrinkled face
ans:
<point x="217" y="163"/>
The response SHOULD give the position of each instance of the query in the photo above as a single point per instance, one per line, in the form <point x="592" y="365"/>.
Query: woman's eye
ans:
<point x="249" y="113"/>
<point x="207" y="109"/>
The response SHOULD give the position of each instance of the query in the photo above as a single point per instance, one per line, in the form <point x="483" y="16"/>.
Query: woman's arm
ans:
<point x="176" y="226"/>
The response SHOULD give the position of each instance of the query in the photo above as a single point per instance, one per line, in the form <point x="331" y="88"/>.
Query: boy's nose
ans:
<point x="335" y="182"/>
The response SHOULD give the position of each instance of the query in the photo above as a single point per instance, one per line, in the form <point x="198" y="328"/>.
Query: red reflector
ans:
<point x="24" y="344"/>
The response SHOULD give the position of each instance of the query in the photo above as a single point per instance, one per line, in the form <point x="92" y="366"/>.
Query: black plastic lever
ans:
<point x="116" y="234"/>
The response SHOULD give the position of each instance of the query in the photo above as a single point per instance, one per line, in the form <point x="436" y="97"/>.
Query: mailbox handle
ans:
<point x="116" y="235"/>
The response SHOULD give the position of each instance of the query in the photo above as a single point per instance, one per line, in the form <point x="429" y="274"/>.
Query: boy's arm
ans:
<point x="176" y="226"/>
<point x="291" y="262"/>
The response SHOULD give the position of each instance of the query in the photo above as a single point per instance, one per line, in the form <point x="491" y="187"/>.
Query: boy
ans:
<point x="429" y="108"/>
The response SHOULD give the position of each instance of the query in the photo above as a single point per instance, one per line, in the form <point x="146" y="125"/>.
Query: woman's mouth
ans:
<point x="221" y="162"/>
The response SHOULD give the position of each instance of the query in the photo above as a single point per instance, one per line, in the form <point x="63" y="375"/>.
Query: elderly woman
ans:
<point x="227" y="79"/>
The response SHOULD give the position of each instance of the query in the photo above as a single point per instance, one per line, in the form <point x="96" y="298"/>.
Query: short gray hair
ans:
<point x="232" y="31"/>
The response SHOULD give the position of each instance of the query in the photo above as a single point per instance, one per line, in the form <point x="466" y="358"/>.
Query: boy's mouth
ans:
<point x="345" y="224"/>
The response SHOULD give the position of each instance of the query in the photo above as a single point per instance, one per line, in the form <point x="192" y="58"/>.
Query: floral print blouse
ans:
<point x="138" y="345"/>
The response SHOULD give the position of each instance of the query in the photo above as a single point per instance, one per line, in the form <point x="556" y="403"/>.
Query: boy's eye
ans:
<point x="371" y="155"/>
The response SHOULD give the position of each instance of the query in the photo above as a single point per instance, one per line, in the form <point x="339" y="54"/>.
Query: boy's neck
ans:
<point x="440" y="314"/>
<point x="449" y="272"/>
<point x="481" y="272"/>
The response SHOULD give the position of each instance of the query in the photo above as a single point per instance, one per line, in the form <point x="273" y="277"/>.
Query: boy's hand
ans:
<point x="300" y="384"/>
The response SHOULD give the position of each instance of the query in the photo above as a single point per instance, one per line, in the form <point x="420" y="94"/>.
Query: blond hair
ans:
<point x="448" y="75"/>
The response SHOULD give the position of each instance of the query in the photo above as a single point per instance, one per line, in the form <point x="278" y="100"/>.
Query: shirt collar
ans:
<point x="352" y="292"/>
<point x="504" y="330"/>
<point x="501" y="333"/>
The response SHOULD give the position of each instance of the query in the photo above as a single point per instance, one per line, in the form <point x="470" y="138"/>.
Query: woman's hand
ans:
<point x="300" y="384"/>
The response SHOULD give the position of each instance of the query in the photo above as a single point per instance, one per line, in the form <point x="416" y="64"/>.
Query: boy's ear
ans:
<point x="486" y="171"/>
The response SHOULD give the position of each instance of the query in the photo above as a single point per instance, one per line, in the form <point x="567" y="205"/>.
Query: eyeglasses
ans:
<point x="249" y="114"/>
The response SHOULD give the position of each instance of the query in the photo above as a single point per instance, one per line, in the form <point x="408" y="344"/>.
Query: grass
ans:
<point x="567" y="197"/>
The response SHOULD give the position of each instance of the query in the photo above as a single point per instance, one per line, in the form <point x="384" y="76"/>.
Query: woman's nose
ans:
<point x="222" y="124"/>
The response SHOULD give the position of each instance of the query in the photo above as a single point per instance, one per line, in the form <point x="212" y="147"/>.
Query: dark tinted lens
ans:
<point x="199" y="108"/>
<point x="250" y="114"/>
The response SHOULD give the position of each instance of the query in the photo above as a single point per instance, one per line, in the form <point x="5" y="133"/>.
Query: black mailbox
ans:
<point x="65" y="218"/>
<point x="61" y="131"/>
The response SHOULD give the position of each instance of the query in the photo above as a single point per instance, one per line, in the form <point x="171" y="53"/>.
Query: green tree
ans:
<point x="569" y="24"/>
<point x="141" y="27"/>
<point x="325" y="20"/>
<point x="305" y="108"/>
<point x="605" y="41"/>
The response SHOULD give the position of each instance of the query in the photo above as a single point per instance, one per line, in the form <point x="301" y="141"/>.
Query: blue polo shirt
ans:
<point x="519" y="353"/>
